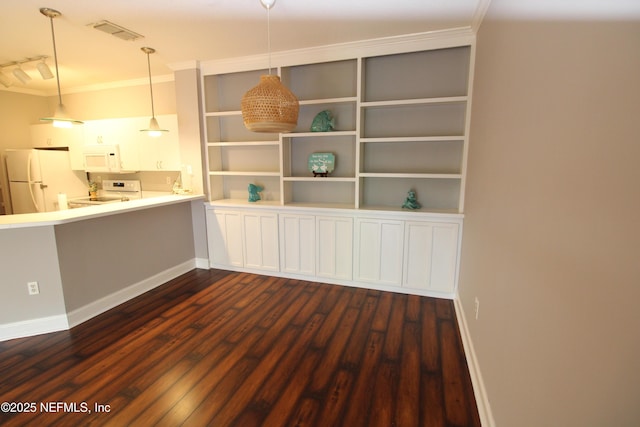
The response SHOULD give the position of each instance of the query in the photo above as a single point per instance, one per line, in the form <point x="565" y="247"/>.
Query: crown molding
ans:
<point x="184" y="65"/>
<point x="478" y="16"/>
<point x="335" y="52"/>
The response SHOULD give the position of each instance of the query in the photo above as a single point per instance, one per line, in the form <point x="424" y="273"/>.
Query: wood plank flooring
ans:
<point x="218" y="348"/>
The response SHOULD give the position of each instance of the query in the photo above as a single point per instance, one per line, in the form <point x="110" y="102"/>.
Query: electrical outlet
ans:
<point x="168" y="180"/>
<point x="33" y="288"/>
<point x="477" y="307"/>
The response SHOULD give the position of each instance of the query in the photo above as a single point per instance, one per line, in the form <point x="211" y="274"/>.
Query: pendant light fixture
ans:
<point x="154" y="129"/>
<point x="60" y="117"/>
<point x="270" y="106"/>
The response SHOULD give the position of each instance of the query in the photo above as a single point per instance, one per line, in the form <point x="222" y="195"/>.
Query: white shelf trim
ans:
<point x="320" y="134"/>
<point x="329" y="100"/>
<point x="318" y="179"/>
<point x="239" y="143"/>
<point x="411" y="175"/>
<point x="415" y="139"/>
<point x="249" y="173"/>
<point x="416" y="101"/>
<point x="223" y="113"/>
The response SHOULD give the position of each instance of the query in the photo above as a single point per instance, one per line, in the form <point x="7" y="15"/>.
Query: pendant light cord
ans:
<point x="269" y="36"/>
<point x="55" y="57"/>
<point x="153" y="113"/>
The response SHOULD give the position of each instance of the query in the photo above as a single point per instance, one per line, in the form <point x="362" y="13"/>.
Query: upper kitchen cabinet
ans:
<point x="47" y="136"/>
<point x="138" y="151"/>
<point x="122" y="132"/>
<point x="160" y="153"/>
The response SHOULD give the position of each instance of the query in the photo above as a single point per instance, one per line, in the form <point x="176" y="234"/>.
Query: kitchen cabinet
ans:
<point x="138" y="151"/>
<point x="160" y="153"/>
<point x="379" y="245"/>
<point x="46" y="135"/>
<point x="123" y="132"/>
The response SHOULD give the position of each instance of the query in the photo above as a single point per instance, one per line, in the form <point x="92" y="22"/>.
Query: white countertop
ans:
<point x="95" y="211"/>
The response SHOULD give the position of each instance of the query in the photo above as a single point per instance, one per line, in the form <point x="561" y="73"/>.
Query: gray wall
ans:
<point x="104" y="255"/>
<point x="28" y="255"/>
<point x="552" y="226"/>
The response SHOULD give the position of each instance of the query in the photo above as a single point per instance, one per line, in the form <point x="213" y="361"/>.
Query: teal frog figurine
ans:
<point x="323" y="122"/>
<point x="411" y="202"/>
<point x="253" y="192"/>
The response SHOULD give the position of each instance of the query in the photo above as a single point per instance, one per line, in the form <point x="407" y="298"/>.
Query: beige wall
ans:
<point x="552" y="229"/>
<point x="127" y="101"/>
<point x="17" y="112"/>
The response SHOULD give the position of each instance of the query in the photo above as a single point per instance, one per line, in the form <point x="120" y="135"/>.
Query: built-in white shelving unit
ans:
<point x="401" y="109"/>
<point x="401" y="122"/>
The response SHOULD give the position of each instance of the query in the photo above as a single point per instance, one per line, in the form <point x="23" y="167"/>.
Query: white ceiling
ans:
<point x="190" y="30"/>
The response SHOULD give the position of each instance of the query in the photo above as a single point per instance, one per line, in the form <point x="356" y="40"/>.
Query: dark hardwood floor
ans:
<point x="217" y="348"/>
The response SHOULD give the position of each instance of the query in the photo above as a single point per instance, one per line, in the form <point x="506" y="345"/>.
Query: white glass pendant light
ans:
<point x="270" y="106"/>
<point x="154" y="129"/>
<point x="60" y="117"/>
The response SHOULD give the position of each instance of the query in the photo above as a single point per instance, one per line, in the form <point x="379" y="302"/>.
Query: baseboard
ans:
<point x="482" y="400"/>
<point x="28" y="328"/>
<point x="95" y="308"/>
<point x="202" y="263"/>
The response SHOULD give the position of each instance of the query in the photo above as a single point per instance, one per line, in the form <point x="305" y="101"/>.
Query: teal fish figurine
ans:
<point x="253" y="192"/>
<point x="323" y="122"/>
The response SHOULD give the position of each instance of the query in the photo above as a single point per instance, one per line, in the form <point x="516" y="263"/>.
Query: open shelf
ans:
<point x="400" y="124"/>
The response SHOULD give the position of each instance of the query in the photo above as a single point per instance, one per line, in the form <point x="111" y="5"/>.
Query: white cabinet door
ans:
<point x="163" y="152"/>
<point x="48" y="136"/>
<point x="242" y="239"/>
<point x="430" y="256"/>
<point x="298" y="244"/>
<point x="260" y="241"/>
<point x="334" y="242"/>
<point x="225" y="237"/>
<point x="379" y="246"/>
<point x="123" y="132"/>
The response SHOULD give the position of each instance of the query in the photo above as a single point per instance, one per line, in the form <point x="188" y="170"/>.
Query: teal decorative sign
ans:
<point x="321" y="164"/>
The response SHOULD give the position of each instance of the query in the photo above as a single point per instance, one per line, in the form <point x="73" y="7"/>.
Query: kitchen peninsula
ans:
<point x="88" y="260"/>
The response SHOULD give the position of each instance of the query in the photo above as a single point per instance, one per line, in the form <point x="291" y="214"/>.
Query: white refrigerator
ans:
<point x="37" y="177"/>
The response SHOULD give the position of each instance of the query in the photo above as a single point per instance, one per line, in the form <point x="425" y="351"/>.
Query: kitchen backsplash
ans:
<point x="150" y="181"/>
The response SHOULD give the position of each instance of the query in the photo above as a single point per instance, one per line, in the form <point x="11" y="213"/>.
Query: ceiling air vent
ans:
<point x="116" y="30"/>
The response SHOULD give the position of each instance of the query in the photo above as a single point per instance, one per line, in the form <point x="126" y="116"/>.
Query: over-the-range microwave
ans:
<point x="102" y="158"/>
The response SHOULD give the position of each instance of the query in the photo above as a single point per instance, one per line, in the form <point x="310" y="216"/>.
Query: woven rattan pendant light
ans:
<point x="270" y="106"/>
